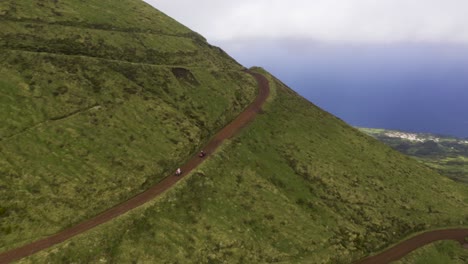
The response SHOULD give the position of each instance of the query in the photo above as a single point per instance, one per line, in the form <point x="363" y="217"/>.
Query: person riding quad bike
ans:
<point x="202" y="154"/>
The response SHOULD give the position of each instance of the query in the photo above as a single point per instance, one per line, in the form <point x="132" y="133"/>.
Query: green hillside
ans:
<point x="442" y="252"/>
<point x="89" y="121"/>
<point x="302" y="188"/>
<point x="94" y="109"/>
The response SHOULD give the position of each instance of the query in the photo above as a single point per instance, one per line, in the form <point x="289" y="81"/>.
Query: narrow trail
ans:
<point x="227" y="132"/>
<point x="400" y="250"/>
<point x="52" y="119"/>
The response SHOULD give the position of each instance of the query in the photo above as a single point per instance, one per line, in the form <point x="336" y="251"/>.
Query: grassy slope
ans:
<point x="97" y="104"/>
<point x="449" y="156"/>
<point x="298" y="185"/>
<point x="442" y="252"/>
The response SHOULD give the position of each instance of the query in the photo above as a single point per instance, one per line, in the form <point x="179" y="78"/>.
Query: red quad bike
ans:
<point x="202" y="154"/>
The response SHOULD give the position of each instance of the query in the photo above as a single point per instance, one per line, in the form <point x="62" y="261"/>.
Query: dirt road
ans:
<point x="230" y="130"/>
<point x="398" y="251"/>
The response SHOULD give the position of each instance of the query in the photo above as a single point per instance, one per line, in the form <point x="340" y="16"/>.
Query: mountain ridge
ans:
<point x="296" y="185"/>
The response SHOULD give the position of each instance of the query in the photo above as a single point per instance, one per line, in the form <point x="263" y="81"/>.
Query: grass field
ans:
<point x="302" y="188"/>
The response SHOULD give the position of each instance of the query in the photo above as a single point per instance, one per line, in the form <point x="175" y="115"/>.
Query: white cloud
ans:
<point x="330" y="21"/>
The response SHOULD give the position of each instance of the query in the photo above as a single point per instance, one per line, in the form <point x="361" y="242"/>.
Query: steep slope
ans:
<point x="227" y="132"/>
<point x="437" y="253"/>
<point x="297" y="186"/>
<point x="102" y="99"/>
<point x="98" y="101"/>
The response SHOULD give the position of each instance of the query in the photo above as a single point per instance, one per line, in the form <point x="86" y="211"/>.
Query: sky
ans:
<point x="398" y="64"/>
<point x="330" y="21"/>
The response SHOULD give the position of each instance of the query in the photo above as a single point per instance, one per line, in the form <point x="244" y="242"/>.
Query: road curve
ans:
<point x="228" y="131"/>
<point x="400" y="250"/>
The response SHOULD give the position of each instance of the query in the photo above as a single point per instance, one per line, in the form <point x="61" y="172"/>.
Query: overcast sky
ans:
<point x="397" y="64"/>
<point x="327" y="21"/>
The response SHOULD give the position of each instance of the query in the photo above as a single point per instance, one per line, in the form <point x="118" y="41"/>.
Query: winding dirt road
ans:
<point x="230" y="130"/>
<point x="227" y="132"/>
<point x="398" y="251"/>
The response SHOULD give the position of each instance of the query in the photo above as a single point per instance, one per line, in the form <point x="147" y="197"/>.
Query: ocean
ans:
<point x="409" y="87"/>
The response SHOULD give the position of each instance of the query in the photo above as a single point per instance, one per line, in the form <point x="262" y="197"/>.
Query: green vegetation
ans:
<point x="92" y="114"/>
<point x="101" y="99"/>
<point x="292" y="188"/>
<point x="437" y="253"/>
<point x="447" y="155"/>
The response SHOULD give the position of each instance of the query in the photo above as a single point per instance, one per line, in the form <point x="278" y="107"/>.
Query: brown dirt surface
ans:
<point x="227" y="132"/>
<point x="400" y="250"/>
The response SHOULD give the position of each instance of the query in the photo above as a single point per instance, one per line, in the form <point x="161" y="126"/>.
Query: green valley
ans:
<point x="99" y="106"/>
<point x="447" y="155"/>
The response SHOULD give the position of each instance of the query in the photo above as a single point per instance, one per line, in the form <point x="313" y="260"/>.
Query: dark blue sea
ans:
<point x="409" y="87"/>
